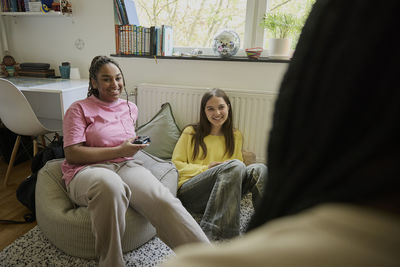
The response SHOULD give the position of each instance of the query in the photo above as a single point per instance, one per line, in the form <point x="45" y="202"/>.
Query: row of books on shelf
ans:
<point x="144" y="41"/>
<point x="14" y="5"/>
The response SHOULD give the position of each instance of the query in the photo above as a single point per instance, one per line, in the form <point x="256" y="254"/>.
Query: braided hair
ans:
<point x="95" y="66"/>
<point x="335" y="133"/>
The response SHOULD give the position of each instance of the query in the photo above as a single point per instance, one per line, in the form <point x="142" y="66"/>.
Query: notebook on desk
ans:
<point x="37" y="73"/>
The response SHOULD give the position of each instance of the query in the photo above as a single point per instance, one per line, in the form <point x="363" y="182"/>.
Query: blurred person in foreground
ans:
<point x="332" y="197"/>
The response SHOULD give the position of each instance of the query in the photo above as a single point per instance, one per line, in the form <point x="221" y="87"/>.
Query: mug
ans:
<point x="65" y="71"/>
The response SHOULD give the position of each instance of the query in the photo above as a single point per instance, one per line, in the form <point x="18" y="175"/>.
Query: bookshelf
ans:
<point x="18" y="8"/>
<point x="207" y="58"/>
<point x="30" y="13"/>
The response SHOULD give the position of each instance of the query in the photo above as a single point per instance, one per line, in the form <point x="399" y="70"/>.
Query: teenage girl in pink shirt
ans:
<point x="99" y="171"/>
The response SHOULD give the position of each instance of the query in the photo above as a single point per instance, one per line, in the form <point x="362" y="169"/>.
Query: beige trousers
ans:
<point x="109" y="189"/>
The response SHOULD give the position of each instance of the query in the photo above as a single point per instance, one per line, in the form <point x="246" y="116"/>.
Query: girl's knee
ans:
<point x="232" y="172"/>
<point x="109" y="189"/>
<point x="235" y="164"/>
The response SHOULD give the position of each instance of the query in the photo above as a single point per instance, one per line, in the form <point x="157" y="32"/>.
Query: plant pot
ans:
<point x="279" y="47"/>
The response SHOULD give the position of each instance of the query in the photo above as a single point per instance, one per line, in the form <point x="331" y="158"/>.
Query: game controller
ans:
<point x="142" y="140"/>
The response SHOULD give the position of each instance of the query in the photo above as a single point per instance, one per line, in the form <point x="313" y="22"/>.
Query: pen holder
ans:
<point x="65" y="71"/>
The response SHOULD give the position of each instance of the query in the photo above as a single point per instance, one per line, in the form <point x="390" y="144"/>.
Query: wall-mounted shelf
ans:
<point x="48" y="14"/>
<point x="209" y="58"/>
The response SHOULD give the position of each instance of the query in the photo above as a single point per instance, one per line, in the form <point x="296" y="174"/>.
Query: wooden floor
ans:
<point x="10" y="207"/>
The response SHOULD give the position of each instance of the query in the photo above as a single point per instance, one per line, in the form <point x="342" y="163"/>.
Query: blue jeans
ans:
<point x="217" y="193"/>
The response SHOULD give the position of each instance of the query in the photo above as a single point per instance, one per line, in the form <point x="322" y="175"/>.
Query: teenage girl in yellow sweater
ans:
<point x="212" y="175"/>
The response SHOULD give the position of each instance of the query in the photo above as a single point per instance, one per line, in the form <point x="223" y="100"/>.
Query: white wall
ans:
<point x="52" y="40"/>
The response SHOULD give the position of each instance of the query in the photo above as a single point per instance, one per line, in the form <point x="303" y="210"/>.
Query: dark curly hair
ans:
<point x="95" y="66"/>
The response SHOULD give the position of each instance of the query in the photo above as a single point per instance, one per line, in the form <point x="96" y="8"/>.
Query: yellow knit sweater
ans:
<point x="183" y="153"/>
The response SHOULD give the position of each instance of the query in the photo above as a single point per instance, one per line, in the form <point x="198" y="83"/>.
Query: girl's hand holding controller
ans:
<point x="142" y="140"/>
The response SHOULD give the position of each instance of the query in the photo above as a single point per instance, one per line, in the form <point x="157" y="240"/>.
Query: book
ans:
<point x="135" y="45"/>
<point x="117" y="13"/>
<point x="139" y="40"/>
<point x="167" y="41"/>
<point x="117" y="39"/>
<point x="131" y="14"/>
<point x="37" y="73"/>
<point x="26" y="5"/>
<point x="13" y="6"/>
<point x="159" y="41"/>
<point x="126" y="39"/>
<point x="152" y="40"/>
<point x="121" y="11"/>
<point x="122" y="39"/>
<point x="147" y="41"/>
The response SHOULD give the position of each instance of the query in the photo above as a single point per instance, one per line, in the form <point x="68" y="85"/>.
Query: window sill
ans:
<point x="210" y="58"/>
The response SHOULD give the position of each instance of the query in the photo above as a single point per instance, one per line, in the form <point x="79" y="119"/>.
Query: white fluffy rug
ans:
<point x="33" y="249"/>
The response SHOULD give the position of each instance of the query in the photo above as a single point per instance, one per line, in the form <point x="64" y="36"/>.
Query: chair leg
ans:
<point x="35" y="147"/>
<point x="12" y="159"/>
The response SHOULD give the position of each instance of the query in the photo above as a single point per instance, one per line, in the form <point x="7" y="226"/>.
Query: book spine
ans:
<point x="135" y="51"/>
<point x="117" y="11"/>
<point x="126" y="39"/>
<point x="117" y="51"/>
<point x="121" y="11"/>
<point x="13" y="6"/>
<point x="144" y="41"/>
<point x="26" y="5"/>
<point x="152" y="40"/>
<point x="124" y="16"/>
<point x="160" y="43"/>
<point x="122" y="39"/>
<point x="163" y="41"/>
<point x="128" y="43"/>
<point x="148" y="44"/>
<point x="140" y="32"/>
<point x="130" y="39"/>
<point x="169" y="41"/>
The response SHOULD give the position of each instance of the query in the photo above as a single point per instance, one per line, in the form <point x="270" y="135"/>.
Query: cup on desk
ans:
<point x="65" y="71"/>
<point x="74" y="74"/>
<point x="10" y="70"/>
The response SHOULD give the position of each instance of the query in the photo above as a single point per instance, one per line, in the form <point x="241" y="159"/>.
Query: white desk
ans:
<point x="50" y="98"/>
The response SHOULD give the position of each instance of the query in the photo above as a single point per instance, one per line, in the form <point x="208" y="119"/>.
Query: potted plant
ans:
<point x="281" y="26"/>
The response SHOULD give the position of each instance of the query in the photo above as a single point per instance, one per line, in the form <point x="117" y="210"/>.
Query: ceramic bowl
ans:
<point x="254" y="53"/>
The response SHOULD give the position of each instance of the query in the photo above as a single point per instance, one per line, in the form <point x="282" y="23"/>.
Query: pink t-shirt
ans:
<point x="97" y="124"/>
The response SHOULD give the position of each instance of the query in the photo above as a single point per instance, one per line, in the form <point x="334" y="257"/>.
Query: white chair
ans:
<point x="17" y="115"/>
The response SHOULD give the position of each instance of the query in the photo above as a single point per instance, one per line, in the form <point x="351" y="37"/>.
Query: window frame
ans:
<point x="253" y="33"/>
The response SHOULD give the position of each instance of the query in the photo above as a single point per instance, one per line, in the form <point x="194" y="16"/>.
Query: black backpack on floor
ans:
<point x="26" y="190"/>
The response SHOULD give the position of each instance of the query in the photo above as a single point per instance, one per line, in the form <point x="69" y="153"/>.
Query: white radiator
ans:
<point x="252" y="110"/>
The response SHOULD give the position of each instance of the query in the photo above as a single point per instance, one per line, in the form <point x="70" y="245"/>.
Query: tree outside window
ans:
<point x="195" y="22"/>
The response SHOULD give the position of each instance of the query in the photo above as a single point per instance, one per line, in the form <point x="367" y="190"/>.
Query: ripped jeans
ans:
<point x="216" y="193"/>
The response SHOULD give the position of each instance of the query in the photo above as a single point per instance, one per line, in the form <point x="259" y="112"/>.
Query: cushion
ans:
<point x="68" y="226"/>
<point x="163" y="131"/>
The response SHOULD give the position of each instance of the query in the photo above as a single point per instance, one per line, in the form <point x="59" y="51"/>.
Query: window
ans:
<point x="298" y="8"/>
<point x="195" y="22"/>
